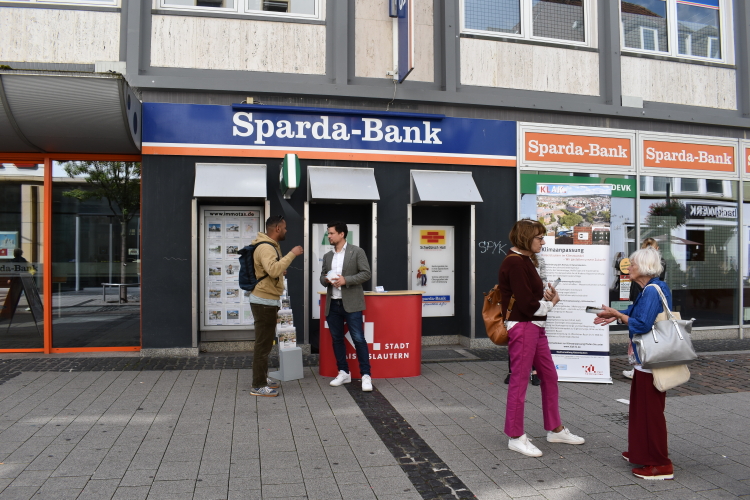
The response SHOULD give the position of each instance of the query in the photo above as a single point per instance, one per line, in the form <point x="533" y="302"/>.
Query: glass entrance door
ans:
<point x="21" y="256"/>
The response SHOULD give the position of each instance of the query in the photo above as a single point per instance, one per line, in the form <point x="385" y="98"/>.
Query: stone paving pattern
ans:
<point x="133" y="428"/>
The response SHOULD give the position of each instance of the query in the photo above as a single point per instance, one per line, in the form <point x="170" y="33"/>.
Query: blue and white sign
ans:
<point x="318" y="133"/>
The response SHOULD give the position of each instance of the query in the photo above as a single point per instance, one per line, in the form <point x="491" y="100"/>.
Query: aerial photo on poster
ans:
<point x="575" y="214"/>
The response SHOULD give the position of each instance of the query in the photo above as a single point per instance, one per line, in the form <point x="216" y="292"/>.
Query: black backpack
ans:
<point x="248" y="280"/>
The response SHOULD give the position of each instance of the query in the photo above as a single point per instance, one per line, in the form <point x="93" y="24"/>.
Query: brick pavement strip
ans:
<point x="187" y="427"/>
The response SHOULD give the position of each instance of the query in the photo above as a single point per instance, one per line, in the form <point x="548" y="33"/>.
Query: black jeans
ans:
<point x="265" y="332"/>
<point x="336" y="317"/>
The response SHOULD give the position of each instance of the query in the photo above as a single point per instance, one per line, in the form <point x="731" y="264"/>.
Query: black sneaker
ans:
<point x="507" y="379"/>
<point x="535" y="380"/>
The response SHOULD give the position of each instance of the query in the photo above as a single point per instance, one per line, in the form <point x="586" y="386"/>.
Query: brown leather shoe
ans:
<point x="659" y="472"/>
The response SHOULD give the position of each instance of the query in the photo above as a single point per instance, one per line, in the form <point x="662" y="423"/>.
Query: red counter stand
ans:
<point x="393" y="330"/>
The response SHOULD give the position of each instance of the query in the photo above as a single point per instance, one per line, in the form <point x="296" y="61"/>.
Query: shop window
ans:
<point x="293" y="8"/>
<point x="550" y="20"/>
<point x="21" y="257"/>
<point x="689" y="185"/>
<point x="714" y="186"/>
<point x="659" y="184"/>
<point x="699" y="239"/>
<point x="96" y="254"/>
<point x="696" y="25"/>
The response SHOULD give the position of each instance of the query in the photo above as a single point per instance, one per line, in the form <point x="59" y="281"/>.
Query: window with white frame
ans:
<point x="294" y="8"/>
<point x="561" y="21"/>
<point x="679" y="28"/>
<point x="649" y="38"/>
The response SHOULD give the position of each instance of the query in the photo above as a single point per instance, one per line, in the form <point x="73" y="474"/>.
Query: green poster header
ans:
<point x="621" y="188"/>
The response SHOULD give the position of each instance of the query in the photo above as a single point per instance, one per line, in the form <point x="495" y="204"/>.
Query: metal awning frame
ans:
<point x="416" y="199"/>
<point x="372" y="197"/>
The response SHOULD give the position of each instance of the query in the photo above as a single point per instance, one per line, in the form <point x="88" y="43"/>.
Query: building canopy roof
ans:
<point x="56" y="112"/>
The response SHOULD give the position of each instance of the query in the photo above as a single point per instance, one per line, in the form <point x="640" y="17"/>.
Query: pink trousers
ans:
<point x="527" y="346"/>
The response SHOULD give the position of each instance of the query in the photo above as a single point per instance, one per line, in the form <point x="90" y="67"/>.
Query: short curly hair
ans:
<point x="648" y="261"/>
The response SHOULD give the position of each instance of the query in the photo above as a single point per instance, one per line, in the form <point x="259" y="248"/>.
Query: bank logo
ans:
<point x="432" y="236"/>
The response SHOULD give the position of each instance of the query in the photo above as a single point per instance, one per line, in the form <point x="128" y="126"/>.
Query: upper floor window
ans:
<point x="563" y="21"/>
<point x="294" y="8"/>
<point x="99" y="3"/>
<point x="679" y="28"/>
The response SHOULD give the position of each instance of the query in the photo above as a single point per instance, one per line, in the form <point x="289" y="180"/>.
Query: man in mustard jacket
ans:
<point x="270" y="269"/>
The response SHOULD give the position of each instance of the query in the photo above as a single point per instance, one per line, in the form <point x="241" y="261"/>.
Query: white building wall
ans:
<point x="679" y="83"/>
<point x="238" y="44"/>
<point x="373" y="40"/>
<point x="489" y="63"/>
<point x="59" y="36"/>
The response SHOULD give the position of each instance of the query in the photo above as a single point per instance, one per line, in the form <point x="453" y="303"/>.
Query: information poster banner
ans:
<point x="577" y="218"/>
<point x="320" y="247"/>
<point x="433" y="267"/>
<point x="225" y="232"/>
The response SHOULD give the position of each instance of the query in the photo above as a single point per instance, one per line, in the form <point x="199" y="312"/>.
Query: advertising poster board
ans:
<point x="433" y="267"/>
<point x="8" y="243"/>
<point x="224" y="231"/>
<point x="577" y="218"/>
<point x="320" y="247"/>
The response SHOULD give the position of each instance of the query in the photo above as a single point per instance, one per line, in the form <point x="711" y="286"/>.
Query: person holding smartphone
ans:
<point x="542" y="270"/>
<point x="527" y="340"/>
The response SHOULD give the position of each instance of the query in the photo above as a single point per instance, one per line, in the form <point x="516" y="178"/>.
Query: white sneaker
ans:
<point x="366" y="383"/>
<point x="628" y="373"/>
<point x="341" y="379"/>
<point x="564" y="436"/>
<point x="523" y="445"/>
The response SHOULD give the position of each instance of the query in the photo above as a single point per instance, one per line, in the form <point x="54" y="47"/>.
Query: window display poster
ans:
<point x="233" y="316"/>
<point x="225" y="231"/>
<point x="320" y="247"/>
<point x="433" y="268"/>
<point x="231" y="272"/>
<point x="8" y="243"/>
<point x="577" y="218"/>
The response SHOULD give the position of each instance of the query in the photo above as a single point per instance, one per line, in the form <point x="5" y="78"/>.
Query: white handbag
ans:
<point x="668" y="343"/>
<point x="670" y="377"/>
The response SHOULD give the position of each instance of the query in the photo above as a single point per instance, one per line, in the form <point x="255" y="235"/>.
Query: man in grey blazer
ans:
<point x="345" y="301"/>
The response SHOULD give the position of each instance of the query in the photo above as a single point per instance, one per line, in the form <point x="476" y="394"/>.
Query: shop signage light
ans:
<point x="591" y="150"/>
<point x="660" y="154"/>
<point x="289" y="176"/>
<point x="326" y="134"/>
<point x="701" y="211"/>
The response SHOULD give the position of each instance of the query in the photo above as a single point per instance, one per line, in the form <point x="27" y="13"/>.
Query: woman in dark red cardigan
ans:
<point x="527" y="341"/>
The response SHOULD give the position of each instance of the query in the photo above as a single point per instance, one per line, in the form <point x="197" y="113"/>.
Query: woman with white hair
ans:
<point x="647" y="426"/>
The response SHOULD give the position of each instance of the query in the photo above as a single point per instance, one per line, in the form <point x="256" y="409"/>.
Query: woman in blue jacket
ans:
<point x="647" y="426"/>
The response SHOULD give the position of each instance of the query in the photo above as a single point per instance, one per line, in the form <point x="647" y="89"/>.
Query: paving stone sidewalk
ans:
<point x="173" y="433"/>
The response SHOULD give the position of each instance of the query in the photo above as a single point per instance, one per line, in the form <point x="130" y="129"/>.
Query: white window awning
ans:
<point x="342" y="184"/>
<point x="443" y="188"/>
<point x="230" y="180"/>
